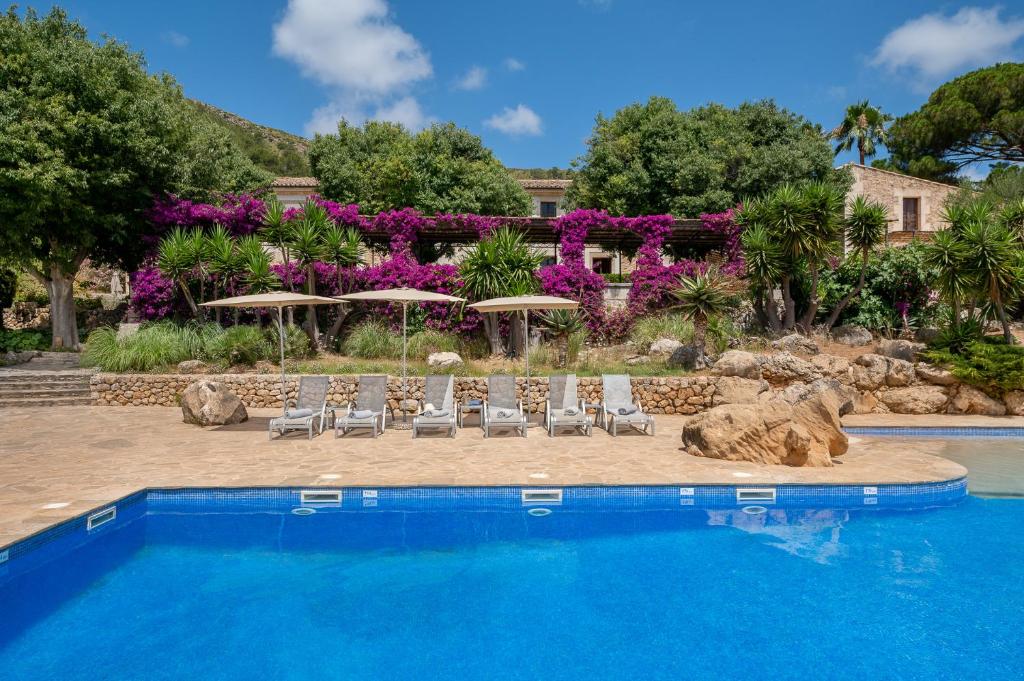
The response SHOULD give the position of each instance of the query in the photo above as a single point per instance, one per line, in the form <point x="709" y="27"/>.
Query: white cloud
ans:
<point x="513" y="64"/>
<point x="175" y="39"/>
<point x="474" y="79"/>
<point x="935" y="45"/>
<point x="518" y="121"/>
<point x="355" y="49"/>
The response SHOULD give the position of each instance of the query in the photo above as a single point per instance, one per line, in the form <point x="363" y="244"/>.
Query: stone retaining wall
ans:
<point x="662" y="395"/>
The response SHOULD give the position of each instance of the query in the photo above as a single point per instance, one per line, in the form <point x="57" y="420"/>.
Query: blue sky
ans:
<point x="530" y="76"/>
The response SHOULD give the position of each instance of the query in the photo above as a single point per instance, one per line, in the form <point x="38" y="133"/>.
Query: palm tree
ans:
<point x="947" y="254"/>
<point x="865" y="229"/>
<point x="341" y="247"/>
<point x="863" y="126"/>
<point x="501" y="265"/>
<point x="306" y="243"/>
<point x="562" y="324"/>
<point x="276" y="230"/>
<point x="177" y="256"/>
<point x="257" y="275"/>
<point x="824" y="205"/>
<point x="701" y="298"/>
<point x="221" y="258"/>
<point x="764" y="263"/>
<point x="994" y="259"/>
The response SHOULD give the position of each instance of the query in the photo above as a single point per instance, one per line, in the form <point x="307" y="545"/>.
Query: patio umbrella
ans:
<point x="279" y="300"/>
<point x="525" y="304"/>
<point x="404" y="296"/>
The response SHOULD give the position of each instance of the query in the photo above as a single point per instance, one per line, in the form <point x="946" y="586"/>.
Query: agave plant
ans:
<point x="701" y="298"/>
<point x="562" y="324"/>
<point x="177" y="258"/>
<point x="864" y="229"/>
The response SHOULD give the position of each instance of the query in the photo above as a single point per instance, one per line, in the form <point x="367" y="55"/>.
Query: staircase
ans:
<point x="51" y="380"/>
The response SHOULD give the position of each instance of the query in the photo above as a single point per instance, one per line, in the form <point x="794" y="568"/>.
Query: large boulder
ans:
<point x="871" y="372"/>
<point x="209" y="403"/>
<point x="1014" y="401"/>
<point x="784" y="367"/>
<point x="738" y="390"/>
<point x="192" y="366"/>
<point x="899" y="349"/>
<point x="834" y="367"/>
<point x="686" y="357"/>
<point x="921" y="399"/>
<point x="444" y="360"/>
<point x="794" y="342"/>
<point x="738" y="363"/>
<point x="851" y="334"/>
<point x="664" y="347"/>
<point x="935" y="375"/>
<point x="970" y="400"/>
<point x="797" y="427"/>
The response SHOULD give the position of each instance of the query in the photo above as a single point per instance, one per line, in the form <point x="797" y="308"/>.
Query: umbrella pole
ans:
<point x="526" y="353"/>
<point x="405" y="344"/>
<point x="280" y="342"/>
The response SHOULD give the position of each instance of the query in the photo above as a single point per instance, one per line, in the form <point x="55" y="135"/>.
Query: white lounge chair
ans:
<point x="307" y="409"/>
<point x="564" y="408"/>
<point x="501" y="408"/>
<point x="439" y="395"/>
<point x="618" y="406"/>
<point x="367" y="411"/>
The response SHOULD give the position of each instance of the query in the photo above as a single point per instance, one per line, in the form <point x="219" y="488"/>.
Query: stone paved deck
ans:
<point x="60" y="463"/>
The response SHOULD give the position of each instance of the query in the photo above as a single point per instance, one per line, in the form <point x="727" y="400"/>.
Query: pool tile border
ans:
<point x="937" y="431"/>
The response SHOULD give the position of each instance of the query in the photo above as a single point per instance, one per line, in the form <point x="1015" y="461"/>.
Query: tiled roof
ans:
<point x="545" y="184"/>
<point x="295" y="182"/>
<point x="903" y="175"/>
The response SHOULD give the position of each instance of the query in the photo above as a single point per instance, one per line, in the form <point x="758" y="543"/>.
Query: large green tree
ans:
<point x="87" y="139"/>
<point x="444" y="168"/>
<point x="978" y="117"/>
<point x="653" y="158"/>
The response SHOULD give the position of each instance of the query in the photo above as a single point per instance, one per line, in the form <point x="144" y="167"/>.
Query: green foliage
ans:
<point x="29" y="290"/>
<point x="956" y="337"/>
<point x="239" y="345"/>
<point x="502" y="265"/>
<point x="152" y="346"/>
<point x="22" y="339"/>
<point x="296" y="342"/>
<point x="652" y="158"/>
<point x="977" y="117"/>
<point x="373" y="339"/>
<point x="428" y="341"/>
<point x="863" y="127"/>
<point x="274" y="151"/>
<point x="442" y="169"/>
<point x="989" y="364"/>
<point x="564" y="325"/>
<point x="649" y="329"/>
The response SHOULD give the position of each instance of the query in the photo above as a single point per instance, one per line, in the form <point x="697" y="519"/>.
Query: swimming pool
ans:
<point x="475" y="583"/>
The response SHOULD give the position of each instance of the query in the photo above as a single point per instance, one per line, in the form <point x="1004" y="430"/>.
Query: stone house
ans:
<point x="915" y="205"/>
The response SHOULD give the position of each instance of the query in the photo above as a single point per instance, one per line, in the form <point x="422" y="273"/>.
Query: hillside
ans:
<point x="276" y="151"/>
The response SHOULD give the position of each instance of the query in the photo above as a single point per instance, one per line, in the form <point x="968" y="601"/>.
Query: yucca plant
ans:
<point x="341" y="246"/>
<point x="562" y="324"/>
<point x="177" y="256"/>
<point x="305" y="241"/>
<point x="276" y="230"/>
<point x="221" y="260"/>
<point x="864" y="228"/>
<point x="947" y="254"/>
<point x="764" y="264"/>
<point x="256" y="265"/>
<point x="701" y="297"/>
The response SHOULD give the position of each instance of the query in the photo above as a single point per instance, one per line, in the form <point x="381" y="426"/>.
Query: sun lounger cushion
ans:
<point x="570" y="411"/>
<point x="504" y="413"/>
<point x="474" y="403"/>
<point x="361" y="414"/>
<point x="625" y="411"/>
<point x="436" y="413"/>
<point x="298" y="413"/>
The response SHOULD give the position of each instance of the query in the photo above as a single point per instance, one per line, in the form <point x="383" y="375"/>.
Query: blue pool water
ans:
<point x="250" y="593"/>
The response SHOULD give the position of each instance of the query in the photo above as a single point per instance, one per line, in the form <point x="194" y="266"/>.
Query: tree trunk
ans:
<point x="493" y="331"/>
<point x="789" y="320"/>
<point x="60" y="287"/>
<point x="1001" y="311"/>
<point x="700" y="334"/>
<point x="860" y="148"/>
<point x="563" y="351"/>
<point x="183" y="285"/>
<point x="216" y="310"/>
<point x="312" y="323"/>
<point x="288" y="282"/>
<point x="807" y="321"/>
<point x="834" y="317"/>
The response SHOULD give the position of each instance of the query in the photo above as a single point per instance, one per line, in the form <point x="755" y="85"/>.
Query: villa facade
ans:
<point x="915" y="205"/>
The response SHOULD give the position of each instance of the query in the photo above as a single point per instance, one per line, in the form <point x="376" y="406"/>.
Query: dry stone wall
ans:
<point x="663" y="395"/>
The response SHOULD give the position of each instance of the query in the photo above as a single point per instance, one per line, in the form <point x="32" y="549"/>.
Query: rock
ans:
<point x="263" y="366"/>
<point x="970" y="400"/>
<point x="738" y="390"/>
<point x="684" y="357"/>
<point x="834" y="367"/>
<point x="899" y="349"/>
<point x="209" y="403"/>
<point x="934" y="375"/>
<point x="12" y="357"/>
<point x="783" y="367"/>
<point x="738" y="363"/>
<point x="664" y="347"/>
<point x="871" y="372"/>
<point x="851" y="334"/>
<point x="637" y="359"/>
<point x="794" y="342"/>
<point x="864" y="402"/>
<point x="922" y="399"/>
<point x="1014" y="401"/>
<point x="798" y="427"/>
<point x="444" y="360"/>
<point x="926" y="334"/>
<point x="192" y="366"/>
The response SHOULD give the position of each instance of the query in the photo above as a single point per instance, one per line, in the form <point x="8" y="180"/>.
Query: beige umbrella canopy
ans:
<point x="525" y="304"/>
<point x="403" y="295"/>
<point x="276" y="299"/>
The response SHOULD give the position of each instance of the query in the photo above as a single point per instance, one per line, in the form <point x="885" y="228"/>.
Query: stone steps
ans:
<point x="54" y="388"/>
<point x="47" y="402"/>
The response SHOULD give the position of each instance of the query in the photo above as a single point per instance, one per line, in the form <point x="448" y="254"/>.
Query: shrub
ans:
<point x="989" y="364"/>
<point x="240" y="345"/>
<point x="649" y="329"/>
<point x="22" y="339"/>
<point x="296" y="342"/>
<point x="428" y="341"/>
<point x="373" y="340"/>
<point x="152" y="346"/>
